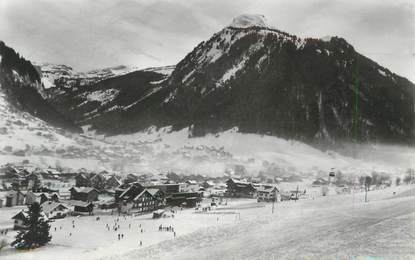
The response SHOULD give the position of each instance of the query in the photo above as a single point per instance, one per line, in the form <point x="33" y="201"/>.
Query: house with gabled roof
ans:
<point x="267" y="193"/>
<point x="239" y="189"/>
<point x="82" y="180"/>
<point x="21" y="219"/>
<point x="145" y="202"/>
<point x="84" y="193"/>
<point x="14" y="198"/>
<point x="112" y="182"/>
<point x="98" y="181"/>
<point x="81" y="207"/>
<point x="159" y="195"/>
<point x="54" y="209"/>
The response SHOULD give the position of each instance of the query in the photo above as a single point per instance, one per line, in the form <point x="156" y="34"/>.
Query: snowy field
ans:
<point x="333" y="227"/>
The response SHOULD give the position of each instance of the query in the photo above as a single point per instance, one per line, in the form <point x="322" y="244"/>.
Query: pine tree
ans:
<point x="37" y="233"/>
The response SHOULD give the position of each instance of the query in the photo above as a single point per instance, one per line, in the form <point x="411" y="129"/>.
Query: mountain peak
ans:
<point x="249" y="20"/>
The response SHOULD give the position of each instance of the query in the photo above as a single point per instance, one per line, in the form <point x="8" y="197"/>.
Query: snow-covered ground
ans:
<point x="333" y="227"/>
<point x="341" y="227"/>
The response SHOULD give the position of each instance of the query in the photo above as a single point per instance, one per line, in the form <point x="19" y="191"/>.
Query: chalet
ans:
<point x="208" y="184"/>
<point x="112" y="182"/>
<point x="192" y="186"/>
<point x="34" y="181"/>
<point x="24" y="172"/>
<point x="10" y="171"/>
<point x="81" y="207"/>
<point x="239" y="189"/>
<point x="55" y="209"/>
<point x="82" y="180"/>
<point x="166" y="188"/>
<point x="84" y="194"/>
<point x="107" y="204"/>
<point x="46" y="190"/>
<point x="130" y="178"/>
<point x="187" y="199"/>
<point x="21" y="220"/>
<point x="49" y="197"/>
<point x="98" y="181"/>
<point x="14" y="198"/>
<point x="128" y="192"/>
<point x="267" y="194"/>
<point x="43" y="173"/>
<point x="159" y="195"/>
<point x="53" y="174"/>
<point x="19" y="181"/>
<point x="32" y="197"/>
<point x="145" y="202"/>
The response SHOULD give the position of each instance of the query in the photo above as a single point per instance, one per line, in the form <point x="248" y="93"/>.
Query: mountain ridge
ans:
<point x="21" y="84"/>
<point x="260" y="80"/>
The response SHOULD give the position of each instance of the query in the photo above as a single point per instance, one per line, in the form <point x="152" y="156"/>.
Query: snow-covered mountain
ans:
<point x="107" y="101"/>
<point x="261" y="80"/>
<point x="24" y="136"/>
<point x="264" y="80"/>
<point x="21" y="86"/>
<point x="63" y="76"/>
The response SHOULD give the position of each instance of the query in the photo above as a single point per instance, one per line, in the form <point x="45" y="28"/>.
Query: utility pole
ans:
<point x="331" y="174"/>
<point x="273" y="201"/>
<point x="368" y="181"/>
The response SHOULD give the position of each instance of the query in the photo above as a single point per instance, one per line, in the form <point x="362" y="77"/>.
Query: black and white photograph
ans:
<point x="207" y="129"/>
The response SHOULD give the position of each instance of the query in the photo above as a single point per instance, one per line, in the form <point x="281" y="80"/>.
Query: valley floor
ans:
<point x="333" y="227"/>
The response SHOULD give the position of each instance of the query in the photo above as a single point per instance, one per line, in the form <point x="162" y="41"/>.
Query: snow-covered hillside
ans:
<point x="163" y="150"/>
<point x="21" y="132"/>
<point x="216" y="154"/>
<point x="68" y="77"/>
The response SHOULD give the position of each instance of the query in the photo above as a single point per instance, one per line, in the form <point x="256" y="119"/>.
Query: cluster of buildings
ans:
<point x="85" y="193"/>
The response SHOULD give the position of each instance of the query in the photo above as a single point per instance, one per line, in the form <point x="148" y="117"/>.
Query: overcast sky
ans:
<point x="93" y="34"/>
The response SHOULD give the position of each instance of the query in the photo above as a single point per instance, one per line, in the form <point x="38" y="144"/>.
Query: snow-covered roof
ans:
<point x="266" y="189"/>
<point x="144" y="191"/>
<point x="153" y="191"/>
<point x="49" y="206"/>
<point x="249" y="20"/>
<point x="83" y="189"/>
<point x="78" y="203"/>
<point x="25" y="215"/>
<point x="236" y="181"/>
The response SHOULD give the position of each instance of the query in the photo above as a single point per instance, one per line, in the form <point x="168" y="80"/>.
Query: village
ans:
<point x="128" y="206"/>
<point x="85" y="193"/>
